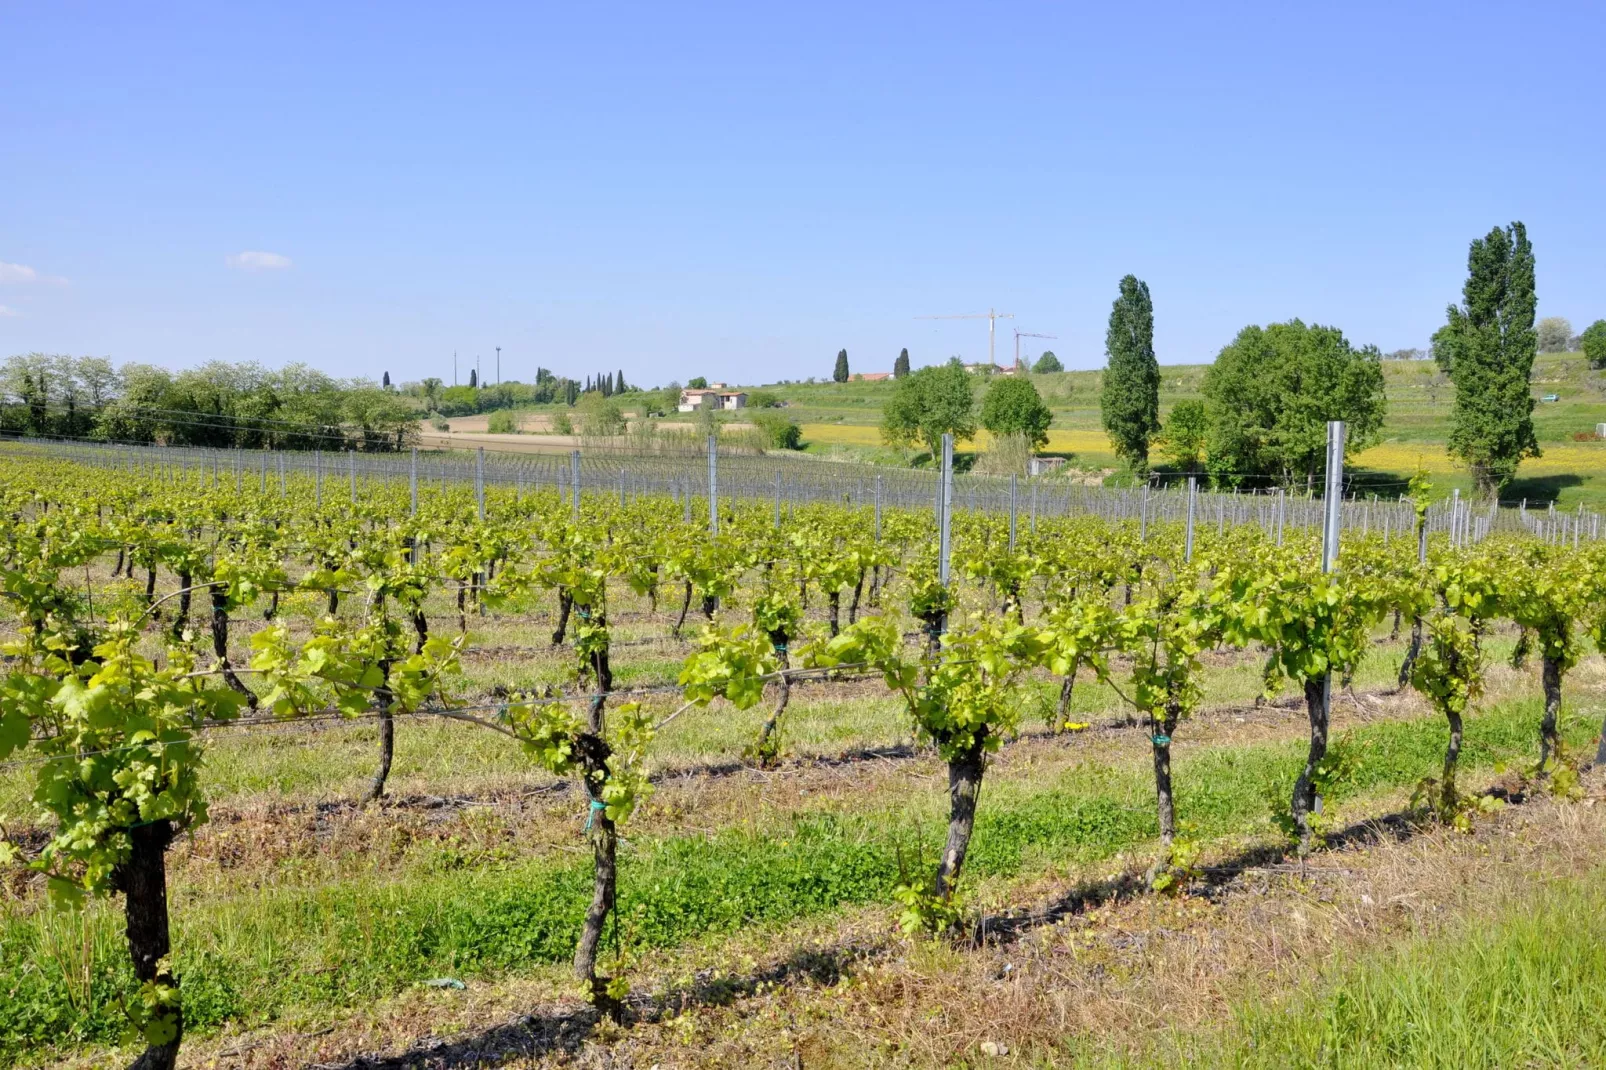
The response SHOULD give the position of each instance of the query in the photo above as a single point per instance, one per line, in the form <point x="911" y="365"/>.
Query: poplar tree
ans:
<point x="1488" y="344"/>
<point x="840" y="372"/>
<point x="1130" y="405"/>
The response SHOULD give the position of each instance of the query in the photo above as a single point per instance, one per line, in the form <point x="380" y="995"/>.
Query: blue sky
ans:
<point x="741" y="190"/>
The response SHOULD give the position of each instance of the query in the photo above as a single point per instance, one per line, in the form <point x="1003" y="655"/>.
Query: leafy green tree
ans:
<point x="1013" y="407"/>
<point x="1048" y="362"/>
<point x="1130" y="405"/>
<point x="432" y="392"/>
<point x="1554" y="334"/>
<point x="1184" y="434"/>
<point x="839" y="374"/>
<point x="928" y="404"/>
<point x="697" y="382"/>
<point x="900" y="367"/>
<point x="780" y="432"/>
<point x="1269" y="395"/>
<point x="1593" y="342"/>
<point x="600" y="415"/>
<point x="1488" y="349"/>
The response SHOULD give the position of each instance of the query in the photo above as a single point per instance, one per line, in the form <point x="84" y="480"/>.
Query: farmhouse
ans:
<point x="873" y="377"/>
<point x="696" y="400"/>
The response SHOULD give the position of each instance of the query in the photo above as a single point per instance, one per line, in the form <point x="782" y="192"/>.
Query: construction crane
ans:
<point x="1019" y="334"/>
<point x="990" y="316"/>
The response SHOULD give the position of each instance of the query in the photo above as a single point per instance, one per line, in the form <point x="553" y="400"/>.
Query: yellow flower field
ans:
<point x="870" y="435"/>
<point x="1559" y="457"/>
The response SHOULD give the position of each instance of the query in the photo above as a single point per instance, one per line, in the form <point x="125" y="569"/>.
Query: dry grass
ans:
<point x="1142" y="981"/>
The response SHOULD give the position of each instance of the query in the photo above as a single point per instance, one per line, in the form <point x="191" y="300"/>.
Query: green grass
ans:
<point x="1419" y="402"/>
<point x="1522" y="987"/>
<point x="252" y="957"/>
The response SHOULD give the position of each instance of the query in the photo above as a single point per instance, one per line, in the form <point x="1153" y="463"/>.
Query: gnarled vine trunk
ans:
<point x="964" y="790"/>
<point x="182" y="621"/>
<point x="853" y="606"/>
<point x="1305" y="799"/>
<point x="1549" y="738"/>
<point x="1164" y="797"/>
<point x="220" y="643"/>
<point x="565" y="604"/>
<point x="1063" y="709"/>
<point x="1412" y="652"/>
<point x="1452" y="755"/>
<point x="685" y="605"/>
<point x="143" y="881"/>
<point x="834" y="601"/>
<point x="768" y="746"/>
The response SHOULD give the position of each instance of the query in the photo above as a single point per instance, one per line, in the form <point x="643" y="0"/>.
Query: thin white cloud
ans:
<point x="253" y="260"/>
<point x="21" y="274"/>
<point x="7" y="310"/>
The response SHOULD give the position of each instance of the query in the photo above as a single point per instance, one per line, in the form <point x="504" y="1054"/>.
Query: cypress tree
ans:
<point x="900" y="367"/>
<point x="1488" y="344"/>
<point x="386" y="382"/>
<point x="1130" y="404"/>
<point x="619" y="382"/>
<point x="840" y="372"/>
<point x="473" y="378"/>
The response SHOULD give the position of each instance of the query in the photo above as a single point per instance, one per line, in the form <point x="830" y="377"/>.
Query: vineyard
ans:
<point x="282" y="743"/>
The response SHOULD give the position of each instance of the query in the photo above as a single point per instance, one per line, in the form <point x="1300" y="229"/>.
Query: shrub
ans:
<point x="1014" y="407"/>
<point x="780" y="432"/>
<point x="503" y="422"/>
<point x="562" y="425"/>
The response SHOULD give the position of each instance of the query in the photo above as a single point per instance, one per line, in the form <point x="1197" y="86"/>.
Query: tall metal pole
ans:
<point x="1193" y="497"/>
<point x="317" y="461"/>
<point x="1013" y="496"/>
<point x="412" y="483"/>
<point x="574" y="484"/>
<point x="1334" y="517"/>
<point x="1332" y="521"/>
<point x="878" y="508"/>
<point x="713" y="485"/>
<point x="351" y="465"/>
<point x="945" y="496"/>
<point x="479" y="480"/>
<point x="1143" y="520"/>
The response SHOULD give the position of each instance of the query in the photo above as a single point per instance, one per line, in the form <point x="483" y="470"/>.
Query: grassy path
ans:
<point x="249" y="958"/>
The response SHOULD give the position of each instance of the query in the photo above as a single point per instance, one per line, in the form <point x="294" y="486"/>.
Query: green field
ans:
<point x="839" y="419"/>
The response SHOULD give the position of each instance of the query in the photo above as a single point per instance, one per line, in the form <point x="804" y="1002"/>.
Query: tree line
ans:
<point x="218" y="404"/>
<point x="1271" y="391"/>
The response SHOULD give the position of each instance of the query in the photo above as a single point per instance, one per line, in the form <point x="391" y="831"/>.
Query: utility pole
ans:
<point x="498" y="365"/>
<point x="991" y="316"/>
<point x="1019" y="334"/>
<point x="454" y="367"/>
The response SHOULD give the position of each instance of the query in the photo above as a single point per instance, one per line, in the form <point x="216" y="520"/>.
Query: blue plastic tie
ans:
<point x="1162" y="741"/>
<point x="596" y="804"/>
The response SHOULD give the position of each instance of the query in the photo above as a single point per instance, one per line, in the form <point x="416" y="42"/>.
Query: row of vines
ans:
<point x="109" y="690"/>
